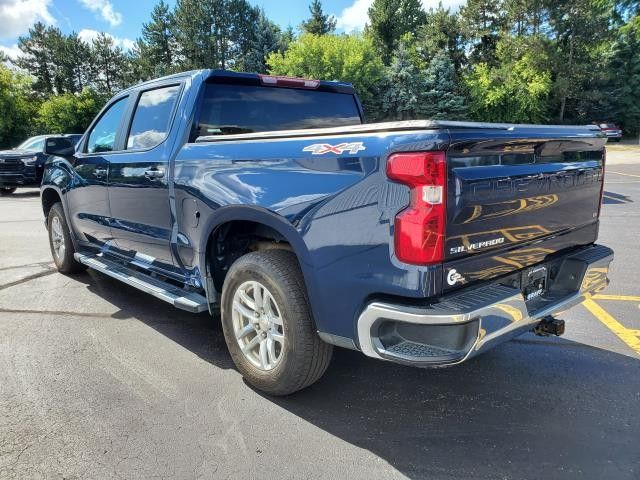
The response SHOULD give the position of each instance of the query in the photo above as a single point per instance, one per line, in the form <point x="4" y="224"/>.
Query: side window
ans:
<point x="103" y="134"/>
<point x="152" y="117"/>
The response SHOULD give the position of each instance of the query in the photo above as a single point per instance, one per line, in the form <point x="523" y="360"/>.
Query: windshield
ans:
<point x="35" y="144"/>
<point x="232" y="109"/>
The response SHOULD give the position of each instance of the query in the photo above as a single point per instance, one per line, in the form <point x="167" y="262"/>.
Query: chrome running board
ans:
<point x="178" y="297"/>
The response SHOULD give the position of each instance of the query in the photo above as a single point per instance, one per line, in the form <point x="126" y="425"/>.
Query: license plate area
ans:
<point x="534" y="282"/>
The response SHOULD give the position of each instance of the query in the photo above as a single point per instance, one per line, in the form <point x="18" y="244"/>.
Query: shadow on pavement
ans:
<point x="532" y="408"/>
<point x="18" y="194"/>
<point x="529" y="409"/>
<point x="615" y="198"/>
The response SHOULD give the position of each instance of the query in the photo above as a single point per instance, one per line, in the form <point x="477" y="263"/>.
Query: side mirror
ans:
<point x="59" y="146"/>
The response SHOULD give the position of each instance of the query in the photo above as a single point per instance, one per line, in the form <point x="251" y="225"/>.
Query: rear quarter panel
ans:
<point x="336" y="210"/>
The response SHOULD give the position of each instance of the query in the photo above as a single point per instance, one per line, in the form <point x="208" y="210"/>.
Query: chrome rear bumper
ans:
<point x="462" y="325"/>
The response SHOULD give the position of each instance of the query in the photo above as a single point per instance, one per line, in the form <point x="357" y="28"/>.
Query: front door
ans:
<point x="88" y="198"/>
<point x="138" y="180"/>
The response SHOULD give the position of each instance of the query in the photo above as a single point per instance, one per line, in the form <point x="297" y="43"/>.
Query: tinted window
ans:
<point x="153" y="115"/>
<point x="229" y="109"/>
<point x="103" y="135"/>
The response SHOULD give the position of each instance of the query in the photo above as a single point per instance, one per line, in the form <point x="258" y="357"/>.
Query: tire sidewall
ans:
<point x="246" y="269"/>
<point x="65" y="264"/>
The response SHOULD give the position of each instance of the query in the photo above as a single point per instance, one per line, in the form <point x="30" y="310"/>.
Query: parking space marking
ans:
<point x="625" y="174"/>
<point x="624" y="298"/>
<point x="627" y="335"/>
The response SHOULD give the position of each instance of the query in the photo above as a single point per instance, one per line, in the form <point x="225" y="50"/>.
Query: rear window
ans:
<point x="233" y="109"/>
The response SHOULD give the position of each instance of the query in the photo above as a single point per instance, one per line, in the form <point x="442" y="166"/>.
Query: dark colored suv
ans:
<point x="23" y="166"/>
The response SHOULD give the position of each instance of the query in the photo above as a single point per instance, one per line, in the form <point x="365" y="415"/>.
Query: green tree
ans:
<point x="38" y="58"/>
<point x="69" y="113"/>
<point x="516" y="91"/>
<point x="110" y="65"/>
<point x="266" y="38"/>
<point x="442" y="31"/>
<point x="213" y="33"/>
<point x="442" y="96"/>
<point x="625" y="73"/>
<point x="581" y="34"/>
<point x="59" y="63"/>
<point x="483" y="22"/>
<point x="404" y="87"/>
<point x="320" y="23"/>
<point x="155" y="51"/>
<point x="17" y="107"/>
<point x="349" y="58"/>
<point x="390" y="20"/>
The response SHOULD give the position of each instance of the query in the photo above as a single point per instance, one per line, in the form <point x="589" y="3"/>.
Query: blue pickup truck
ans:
<point x="268" y="202"/>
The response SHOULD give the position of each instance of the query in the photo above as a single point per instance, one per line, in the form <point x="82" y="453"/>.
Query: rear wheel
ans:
<point x="4" y="191"/>
<point x="60" y="242"/>
<point x="268" y="326"/>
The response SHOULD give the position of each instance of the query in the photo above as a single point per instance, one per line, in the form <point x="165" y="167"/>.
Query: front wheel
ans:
<point x="268" y="326"/>
<point x="60" y="242"/>
<point x="4" y="191"/>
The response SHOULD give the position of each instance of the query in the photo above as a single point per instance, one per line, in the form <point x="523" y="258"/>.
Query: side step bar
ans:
<point x="179" y="298"/>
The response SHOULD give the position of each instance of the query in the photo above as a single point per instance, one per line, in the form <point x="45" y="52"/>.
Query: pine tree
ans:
<point x="405" y="87"/>
<point x="213" y="33"/>
<point x="266" y="38"/>
<point x="443" y="31"/>
<point x="156" y="49"/>
<point x="483" y="21"/>
<point x="109" y="65"/>
<point x="37" y="58"/>
<point x="319" y="23"/>
<point x="390" y="20"/>
<point x="442" y="99"/>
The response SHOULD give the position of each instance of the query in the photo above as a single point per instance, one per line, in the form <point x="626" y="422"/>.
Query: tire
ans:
<point x="300" y="357"/>
<point x="62" y="249"/>
<point x="6" y="191"/>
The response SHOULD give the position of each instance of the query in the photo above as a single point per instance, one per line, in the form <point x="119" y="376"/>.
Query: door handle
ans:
<point x="100" y="172"/>
<point x="154" y="173"/>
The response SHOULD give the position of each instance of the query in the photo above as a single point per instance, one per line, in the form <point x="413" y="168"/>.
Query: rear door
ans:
<point x="514" y="202"/>
<point x="139" y="179"/>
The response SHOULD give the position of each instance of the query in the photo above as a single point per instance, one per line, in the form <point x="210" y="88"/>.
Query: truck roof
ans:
<point x="225" y="76"/>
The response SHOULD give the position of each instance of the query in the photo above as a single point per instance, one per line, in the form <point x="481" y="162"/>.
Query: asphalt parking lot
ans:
<point x="98" y="380"/>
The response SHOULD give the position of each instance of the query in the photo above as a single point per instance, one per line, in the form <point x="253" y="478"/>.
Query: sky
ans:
<point x="123" y="19"/>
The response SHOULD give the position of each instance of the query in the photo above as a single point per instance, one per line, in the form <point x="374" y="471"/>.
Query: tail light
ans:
<point x="420" y="228"/>
<point x="604" y="162"/>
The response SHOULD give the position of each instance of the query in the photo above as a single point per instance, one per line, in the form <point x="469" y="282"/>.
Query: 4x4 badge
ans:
<point x="322" y="148"/>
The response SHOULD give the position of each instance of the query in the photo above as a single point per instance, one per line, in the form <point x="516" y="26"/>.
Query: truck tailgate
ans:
<point x="513" y="202"/>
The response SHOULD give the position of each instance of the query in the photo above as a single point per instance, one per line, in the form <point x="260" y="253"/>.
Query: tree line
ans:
<point x="530" y="61"/>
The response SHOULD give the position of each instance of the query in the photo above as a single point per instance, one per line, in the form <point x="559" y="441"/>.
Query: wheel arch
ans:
<point x="266" y="224"/>
<point x="49" y="196"/>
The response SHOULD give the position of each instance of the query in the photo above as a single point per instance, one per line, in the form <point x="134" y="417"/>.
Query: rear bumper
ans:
<point x="462" y="325"/>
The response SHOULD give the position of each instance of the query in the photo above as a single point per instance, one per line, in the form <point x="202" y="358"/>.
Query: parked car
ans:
<point x="611" y="130"/>
<point x="23" y="166"/>
<point x="267" y="200"/>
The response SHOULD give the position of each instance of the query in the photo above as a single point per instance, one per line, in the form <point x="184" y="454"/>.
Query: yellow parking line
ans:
<point x="628" y="336"/>
<point x="625" y="174"/>
<point x="627" y="298"/>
